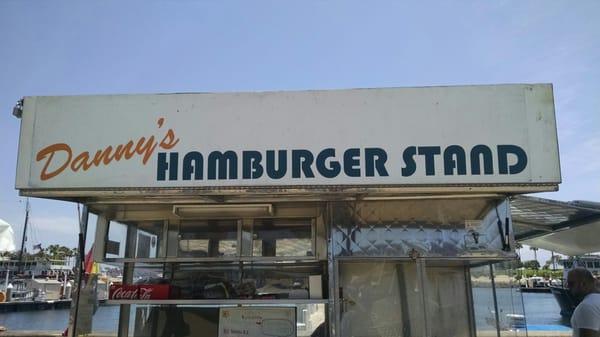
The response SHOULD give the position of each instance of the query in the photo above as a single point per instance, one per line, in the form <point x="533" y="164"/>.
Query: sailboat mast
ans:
<point x="24" y="236"/>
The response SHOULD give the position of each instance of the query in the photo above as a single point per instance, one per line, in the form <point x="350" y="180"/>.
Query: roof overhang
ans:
<point x="569" y="228"/>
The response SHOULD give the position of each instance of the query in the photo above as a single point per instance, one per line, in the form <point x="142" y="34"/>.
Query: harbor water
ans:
<point x="541" y="310"/>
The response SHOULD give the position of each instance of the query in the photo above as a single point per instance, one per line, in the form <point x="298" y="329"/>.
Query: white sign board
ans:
<point x="257" y="322"/>
<point x="462" y="136"/>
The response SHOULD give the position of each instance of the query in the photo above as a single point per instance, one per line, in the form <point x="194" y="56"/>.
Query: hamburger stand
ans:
<point x="363" y="212"/>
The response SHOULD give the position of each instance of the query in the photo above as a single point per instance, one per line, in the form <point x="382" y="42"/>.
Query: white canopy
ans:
<point x="570" y="228"/>
<point x="7" y="240"/>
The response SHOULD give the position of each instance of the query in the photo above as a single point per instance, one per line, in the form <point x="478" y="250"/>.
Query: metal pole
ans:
<point x="81" y="265"/>
<point x="20" y="269"/>
<point x="130" y="246"/>
<point x="495" y="299"/>
<point x="333" y="304"/>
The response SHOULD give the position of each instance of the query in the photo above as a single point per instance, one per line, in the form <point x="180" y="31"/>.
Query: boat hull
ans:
<point x="566" y="302"/>
<point x="535" y="290"/>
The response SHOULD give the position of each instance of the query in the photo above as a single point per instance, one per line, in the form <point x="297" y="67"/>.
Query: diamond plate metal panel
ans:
<point x="380" y="229"/>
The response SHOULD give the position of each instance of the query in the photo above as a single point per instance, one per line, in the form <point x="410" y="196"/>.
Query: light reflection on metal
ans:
<point x="373" y="235"/>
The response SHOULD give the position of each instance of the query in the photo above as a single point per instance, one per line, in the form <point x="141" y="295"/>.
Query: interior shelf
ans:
<point x="246" y="260"/>
<point x="232" y="302"/>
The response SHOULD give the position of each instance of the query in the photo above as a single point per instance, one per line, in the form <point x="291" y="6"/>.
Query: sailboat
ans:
<point x="31" y="285"/>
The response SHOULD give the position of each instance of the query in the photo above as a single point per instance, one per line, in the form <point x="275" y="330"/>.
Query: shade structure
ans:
<point x="570" y="228"/>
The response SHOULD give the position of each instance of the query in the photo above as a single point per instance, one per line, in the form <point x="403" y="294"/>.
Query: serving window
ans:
<point x="199" y="267"/>
<point x="223" y="239"/>
<point x="209" y="238"/>
<point x="281" y="237"/>
<point x="146" y="239"/>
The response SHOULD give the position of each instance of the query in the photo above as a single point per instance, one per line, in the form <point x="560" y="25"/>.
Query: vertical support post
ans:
<point x="164" y="242"/>
<point x="100" y="238"/>
<point x="73" y="317"/>
<point x="420" y="264"/>
<point x="333" y="305"/>
<point x="245" y="237"/>
<point x="405" y="310"/>
<point x="313" y="238"/>
<point x="172" y="238"/>
<point x="335" y="301"/>
<point x="269" y="247"/>
<point x="213" y="241"/>
<point x="470" y="302"/>
<point x="130" y="246"/>
<point x="239" y="250"/>
<point x="524" y="314"/>
<point x="321" y="235"/>
<point x="495" y="299"/>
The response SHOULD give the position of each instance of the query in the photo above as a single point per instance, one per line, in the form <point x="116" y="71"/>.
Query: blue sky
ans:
<point x="66" y="48"/>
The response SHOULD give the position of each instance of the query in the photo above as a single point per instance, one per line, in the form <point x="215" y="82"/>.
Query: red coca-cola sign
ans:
<point x="154" y="291"/>
<point x="139" y="292"/>
<point x="123" y="292"/>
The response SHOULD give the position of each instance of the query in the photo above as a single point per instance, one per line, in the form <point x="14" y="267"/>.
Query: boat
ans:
<point x="35" y="285"/>
<point x="30" y="282"/>
<point x="562" y="295"/>
<point x="565" y="300"/>
<point x="535" y="284"/>
<point x="39" y="292"/>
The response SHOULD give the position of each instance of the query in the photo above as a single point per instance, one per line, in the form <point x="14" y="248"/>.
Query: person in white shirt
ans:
<point x="586" y="317"/>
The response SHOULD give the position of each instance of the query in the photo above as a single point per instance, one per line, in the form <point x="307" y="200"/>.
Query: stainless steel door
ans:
<point x="407" y="299"/>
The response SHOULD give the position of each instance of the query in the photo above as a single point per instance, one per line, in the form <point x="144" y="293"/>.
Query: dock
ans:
<point x="34" y="305"/>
